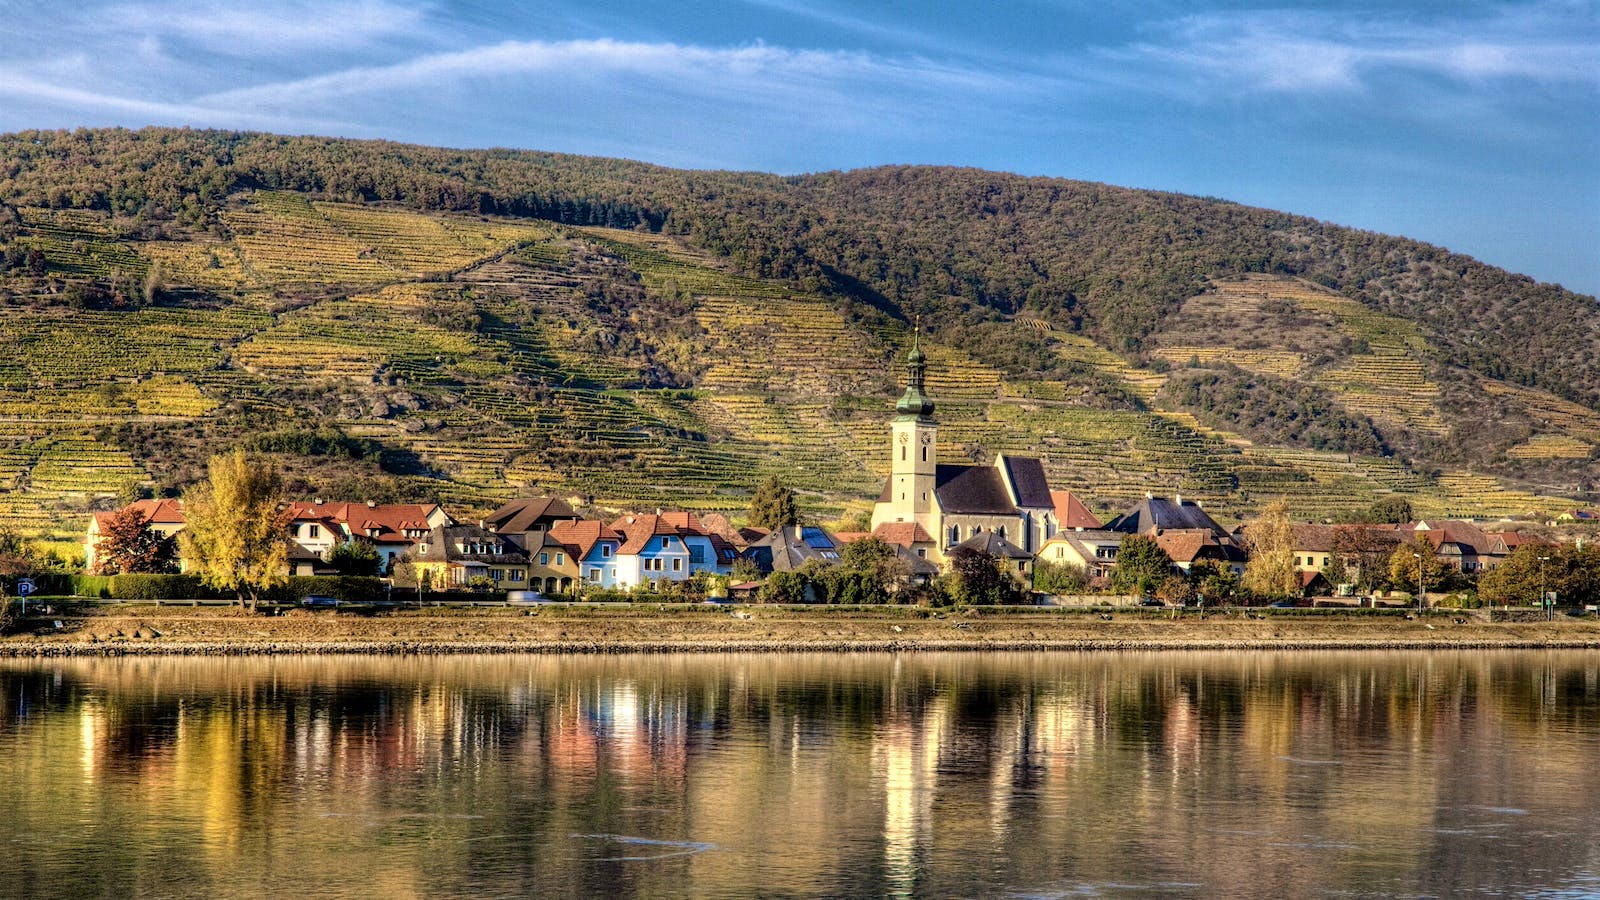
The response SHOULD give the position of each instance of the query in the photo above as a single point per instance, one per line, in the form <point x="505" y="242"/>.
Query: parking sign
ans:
<point x="24" y="587"/>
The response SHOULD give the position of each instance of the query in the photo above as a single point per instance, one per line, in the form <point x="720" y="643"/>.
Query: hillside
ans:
<point x="408" y="322"/>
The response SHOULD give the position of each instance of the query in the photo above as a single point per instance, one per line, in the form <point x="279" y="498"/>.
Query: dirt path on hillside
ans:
<point x="121" y="630"/>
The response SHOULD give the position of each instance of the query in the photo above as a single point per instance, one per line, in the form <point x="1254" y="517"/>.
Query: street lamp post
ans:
<point x="1543" y="598"/>
<point x="1422" y="591"/>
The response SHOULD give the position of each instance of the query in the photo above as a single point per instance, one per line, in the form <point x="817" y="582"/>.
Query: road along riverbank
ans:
<point x="173" y="630"/>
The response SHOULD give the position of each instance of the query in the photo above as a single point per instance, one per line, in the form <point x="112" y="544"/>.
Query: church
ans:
<point x="949" y="504"/>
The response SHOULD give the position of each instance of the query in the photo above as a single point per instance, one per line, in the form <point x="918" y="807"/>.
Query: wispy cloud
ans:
<point x="1300" y="51"/>
<point x="257" y="28"/>
<point x="755" y="68"/>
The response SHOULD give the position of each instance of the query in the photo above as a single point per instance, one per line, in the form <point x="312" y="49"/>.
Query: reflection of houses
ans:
<point x="451" y="555"/>
<point x="1094" y="550"/>
<point x="162" y="517"/>
<point x="952" y="503"/>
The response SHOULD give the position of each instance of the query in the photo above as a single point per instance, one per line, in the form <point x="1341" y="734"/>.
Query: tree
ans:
<point x="1141" y="566"/>
<point x="1177" y="590"/>
<point x="978" y="578"/>
<point x="1391" y="510"/>
<point x="783" y="587"/>
<point x="1516" y="579"/>
<point x="773" y="505"/>
<point x="1059" y="578"/>
<point x="236" y="532"/>
<point x="1366" y="549"/>
<point x="355" y="557"/>
<point x="869" y="571"/>
<point x="127" y="544"/>
<point x="1411" y="557"/>
<point x="1271" y="570"/>
<point x="1214" y="582"/>
<point x="746" y="569"/>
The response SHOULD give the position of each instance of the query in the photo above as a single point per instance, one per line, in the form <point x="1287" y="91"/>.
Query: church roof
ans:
<point x="976" y="490"/>
<point x="1029" y="481"/>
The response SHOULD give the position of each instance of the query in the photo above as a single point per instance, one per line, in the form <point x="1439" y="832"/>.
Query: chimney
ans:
<point x="1149" y="496"/>
<point x="371" y="504"/>
<point x="1177" y="499"/>
<point x="317" y="502"/>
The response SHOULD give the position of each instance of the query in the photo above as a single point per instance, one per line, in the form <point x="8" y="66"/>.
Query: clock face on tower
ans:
<point x="927" y="439"/>
<point x="905" y="438"/>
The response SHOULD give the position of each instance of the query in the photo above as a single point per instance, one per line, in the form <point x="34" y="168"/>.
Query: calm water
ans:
<point x="1286" y="775"/>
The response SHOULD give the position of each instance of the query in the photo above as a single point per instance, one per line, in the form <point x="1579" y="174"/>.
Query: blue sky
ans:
<point x="1475" y="125"/>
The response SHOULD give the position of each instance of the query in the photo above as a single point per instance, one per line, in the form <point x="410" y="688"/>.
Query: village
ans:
<point x="940" y="532"/>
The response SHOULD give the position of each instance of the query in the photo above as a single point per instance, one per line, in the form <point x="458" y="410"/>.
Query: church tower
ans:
<point x="913" y="445"/>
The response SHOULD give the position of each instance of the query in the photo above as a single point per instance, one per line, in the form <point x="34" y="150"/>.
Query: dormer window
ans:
<point x="605" y="551"/>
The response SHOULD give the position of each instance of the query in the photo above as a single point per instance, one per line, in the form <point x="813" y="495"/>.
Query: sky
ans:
<point x="1473" y="125"/>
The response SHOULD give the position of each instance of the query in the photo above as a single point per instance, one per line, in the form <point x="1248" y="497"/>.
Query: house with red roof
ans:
<point x="593" y="546"/>
<point x="163" y="517"/>
<point x="392" y="528"/>
<point x="669" y="546"/>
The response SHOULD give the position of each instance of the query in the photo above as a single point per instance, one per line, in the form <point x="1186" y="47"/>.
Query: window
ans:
<point x="496" y="575"/>
<point x="922" y="552"/>
<point x="314" y="531"/>
<point x="955" y="534"/>
<point x="613" y="571"/>
<point x="516" y="574"/>
<point x="1061" y="553"/>
<point x="1001" y="531"/>
<point x="697" y="554"/>
<point x="594" y="576"/>
<point x="924" y="452"/>
<point x="544" y="559"/>
<point x="677" y="564"/>
<point x="902" y="454"/>
<point x="605" y="551"/>
<point x="422" y="549"/>
<point x="561" y="559"/>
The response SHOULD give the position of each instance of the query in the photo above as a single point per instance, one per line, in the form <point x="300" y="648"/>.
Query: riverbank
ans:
<point x="168" y="630"/>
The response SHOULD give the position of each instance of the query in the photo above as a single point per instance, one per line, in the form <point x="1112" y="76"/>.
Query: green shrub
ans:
<point x="348" y="588"/>
<point x="91" y="585"/>
<point x="160" y="587"/>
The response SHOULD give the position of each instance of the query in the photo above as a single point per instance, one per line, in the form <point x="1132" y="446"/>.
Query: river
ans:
<point x="1291" y="774"/>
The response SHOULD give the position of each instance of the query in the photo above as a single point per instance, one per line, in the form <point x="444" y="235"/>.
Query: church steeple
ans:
<point x="915" y="404"/>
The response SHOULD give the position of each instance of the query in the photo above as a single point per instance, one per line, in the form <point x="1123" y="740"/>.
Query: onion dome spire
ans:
<point x="914" y="403"/>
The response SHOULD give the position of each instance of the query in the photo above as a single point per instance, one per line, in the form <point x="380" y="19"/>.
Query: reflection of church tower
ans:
<point x="913" y="443"/>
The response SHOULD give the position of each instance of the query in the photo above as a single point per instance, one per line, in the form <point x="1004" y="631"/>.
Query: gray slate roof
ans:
<point x="1159" y="512"/>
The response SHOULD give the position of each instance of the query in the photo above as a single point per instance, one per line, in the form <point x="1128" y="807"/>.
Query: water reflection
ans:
<point x="929" y="775"/>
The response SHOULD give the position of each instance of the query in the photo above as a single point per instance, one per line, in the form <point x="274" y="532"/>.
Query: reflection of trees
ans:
<point x="820" y="774"/>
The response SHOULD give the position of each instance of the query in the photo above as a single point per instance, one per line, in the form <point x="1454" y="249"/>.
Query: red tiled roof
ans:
<point x="903" y="533"/>
<point x="637" y="531"/>
<point x="1072" y="512"/>
<point x="165" y="511"/>
<point x="391" y="520"/>
<point x="1184" y="544"/>
<point x="579" y="537"/>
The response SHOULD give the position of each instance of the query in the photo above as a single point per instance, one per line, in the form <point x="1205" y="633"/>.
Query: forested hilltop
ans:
<point x="1102" y="327"/>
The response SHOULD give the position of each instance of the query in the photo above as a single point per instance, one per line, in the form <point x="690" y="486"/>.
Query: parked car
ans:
<point x="1285" y="604"/>
<point x="319" y="601"/>
<point x="526" y="597"/>
<point x="1150" y="601"/>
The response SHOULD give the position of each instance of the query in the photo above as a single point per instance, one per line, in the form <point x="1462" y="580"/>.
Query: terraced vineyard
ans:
<point x="492" y="357"/>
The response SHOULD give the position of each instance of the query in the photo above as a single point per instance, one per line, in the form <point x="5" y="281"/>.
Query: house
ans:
<point x="523" y="521"/>
<point x="393" y="529"/>
<point x="1187" y="546"/>
<point x="787" y="549"/>
<point x="740" y="538"/>
<point x="910" y="536"/>
<point x="668" y="547"/>
<point x="163" y="517"/>
<point x="1012" y="559"/>
<point x="450" y="556"/>
<point x="1461" y="546"/>
<point x="952" y="503"/>
<point x="593" y="546"/>
<point x="552" y="566"/>
<point x="1093" y="549"/>
<point x="1154" y="514"/>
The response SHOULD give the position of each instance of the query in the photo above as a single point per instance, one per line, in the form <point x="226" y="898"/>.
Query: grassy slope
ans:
<point x="494" y="357"/>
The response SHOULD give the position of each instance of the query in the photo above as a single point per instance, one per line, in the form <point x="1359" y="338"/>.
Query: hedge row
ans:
<point x="189" y="587"/>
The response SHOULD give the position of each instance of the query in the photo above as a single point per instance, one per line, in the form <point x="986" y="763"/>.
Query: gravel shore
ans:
<point x="169" y="630"/>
